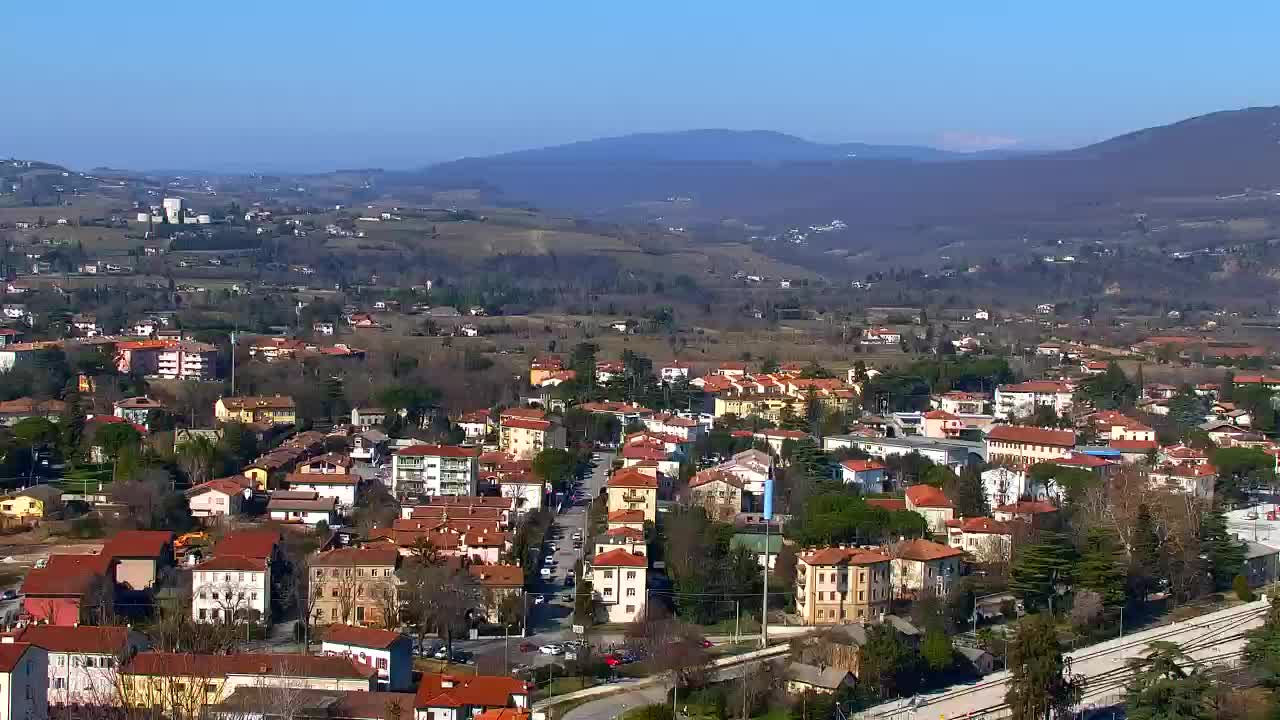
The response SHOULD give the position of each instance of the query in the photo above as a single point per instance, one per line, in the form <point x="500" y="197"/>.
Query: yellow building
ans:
<point x="259" y="409"/>
<point x="32" y="503"/>
<point x="542" y="368"/>
<point x="632" y="489"/>
<point x="765" y="407"/>
<point x="838" y="585"/>
<point x="526" y="437"/>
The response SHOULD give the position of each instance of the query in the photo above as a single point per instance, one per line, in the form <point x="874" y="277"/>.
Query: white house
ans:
<point x="322" y="328"/>
<point x="368" y="417"/>
<point x="673" y="371"/>
<point x="881" y="336"/>
<point x="1022" y="399"/>
<point x="387" y="651"/>
<point x="431" y="470"/>
<point x="526" y="490"/>
<point x="922" y="567"/>
<point x="305" y="508"/>
<point x="868" y="475"/>
<point x="339" y="486"/>
<point x="231" y="588"/>
<point x="618" y="582"/>
<point x="24" y="681"/>
<point x="82" y="659"/>
<point x="219" y="497"/>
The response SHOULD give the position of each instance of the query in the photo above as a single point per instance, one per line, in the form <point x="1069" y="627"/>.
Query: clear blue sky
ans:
<point x="279" y="84"/>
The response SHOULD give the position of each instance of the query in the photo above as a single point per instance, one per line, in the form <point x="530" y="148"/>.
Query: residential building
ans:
<point x="82" y="659"/>
<point x="1196" y="480"/>
<point x="182" y="684"/>
<point x="526" y="437"/>
<point x="504" y="590"/>
<point x="633" y="489"/>
<point x="1021" y="447"/>
<point x="186" y="360"/>
<point x="868" y="475"/>
<point x="1111" y="425"/>
<point x="633" y="519"/>
<point x="267" y="703"/>
<point x="475" y="425"/>
<point x="673" y="371"/>
<point x="629" y="539"/>
<point x="431" y="470"/>
<point x="340" y="487"/>
<point x="302" y="507"/>
<point x="24" y="681"/>
<point x="1034" y="512"/>
<point x="717" y="492"/>
<point x="1022" y="399"/>
<point x="137" y="410"/>
<point x="955" y="454"/>
<point x="541" y="368"/>
<point x="836" y="585"/>
<point x="526" y="491"/>
<point x="922" y="567"/>
<point x="618" y="581"/>
<point x="368" y="417"/>
<point x="32" y="504"/>
<point x="58" y="593"/>
<point x="231" y="588"/>
<point x="354" y="585"/>
<point x="258" y="409"/>
<point x="369" y="446"/>
<point x="390" y="653"/>
<point x="802" y="678"/>
<point x="219" y="498"/>
<point x="14" y="411"/>
<point x="958" y="402"/>
<point x="932" y="504"/>
<point x="464" y="697"/>
<point x="139" y="556"/>
<point x="984" y="539"/>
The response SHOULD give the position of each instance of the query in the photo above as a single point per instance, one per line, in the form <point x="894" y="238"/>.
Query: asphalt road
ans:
<point x="608" y="708"/>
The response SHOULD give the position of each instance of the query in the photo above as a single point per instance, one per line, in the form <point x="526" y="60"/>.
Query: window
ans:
<point x="631" y="592"/>
<point x="631" y="574"/>
<point x="204" y="614"/>
<point x="62" y="661"/>
<point x="631" y="608"/>
<point x="210" y="688"/>
<point x="333" y="613"/>
<point x="382" y="663"/>
<point x="241" y="577"/>
<point x="608" y="592"/>
<point x="254" y="597"/>
<point x="861" y="595"/>
<point x="59" y="683"/>
<point x="608" y="574"/>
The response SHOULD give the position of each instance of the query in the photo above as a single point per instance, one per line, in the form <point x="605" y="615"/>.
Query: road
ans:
<point x="552" y="620"/>
<point x="1213" y="638"/>
<point x="610" y="707"/>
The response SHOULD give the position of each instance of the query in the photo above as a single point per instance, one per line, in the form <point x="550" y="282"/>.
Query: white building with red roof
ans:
<point x="1197" y="480"/>
<point x="984" y="539"/>
<point x="431" y="470"/>
<point x="932" y="504"/>
<point x="923" y="567"/>
<point x="220" y="497"/>
<point x="82" y="659"/>
<point x="386" y="651"/>
<point x="1019" y="446"/>
<point x="446" y="696"/>
<point x="231" y="588"/>
<point x="868" y="475"/>
<point x="618" y="582"/>
<point x="1022" y="399"/>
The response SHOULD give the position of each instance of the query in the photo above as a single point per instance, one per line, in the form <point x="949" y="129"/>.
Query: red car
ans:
<point x="612" y="660"/>
<point x="527" y="646"/>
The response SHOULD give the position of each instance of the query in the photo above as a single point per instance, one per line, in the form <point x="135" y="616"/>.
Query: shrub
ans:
<point x="1241" y="587"/>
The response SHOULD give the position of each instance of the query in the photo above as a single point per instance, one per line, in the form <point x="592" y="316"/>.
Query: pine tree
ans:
<point x="1038" y="685"/>
<point x="1167" y="685"/>
<point x="1042" y="566"/>
<point x="1145" y="548"/>
<point x="1100" y="567"/>
<point x="936" y="650"/>
<point x="1222" y="552"/>
<point x="969" y="497"/>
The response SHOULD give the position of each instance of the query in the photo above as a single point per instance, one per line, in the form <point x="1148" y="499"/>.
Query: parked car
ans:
<point x="527" y="646"/>
<point x="552" y="649"/>
<point x="546" y="573"/>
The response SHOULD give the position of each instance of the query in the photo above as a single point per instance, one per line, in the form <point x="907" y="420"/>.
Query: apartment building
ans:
<point x="1022" y="399"/>
<point x="24" y="681"/>
<point x="261" y="409"/>
<point x="434" y="470"/>
<point x="82" y="659"/>
<point x="1020" y="447"/>
<point x="231" y="588"/>
<point x="183" y="360"/>
<point x="922" y="567"/>
<point x="354" y="586"/>
<point x="842" y="584"/>
<point x="526" y="437"/>
<point x="618" y="581"/>
<point x="633" y="489"/>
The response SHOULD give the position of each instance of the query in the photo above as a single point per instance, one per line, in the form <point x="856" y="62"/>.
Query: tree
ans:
<point x="437" y="598"/>
<point x="1240" y="586"/>
<point x="968" y="494"/>
<point x="1086" y="609"/>
<point x="1167" y="685"/>
<point x="1101" y="567"/>
<point x="1111" y="390"/>
<point x="1187" y="410"/>
<point x="1222" y="552"/>
<point x="886" y="664"/>
<point x="671" y="646"/>
<point x="1041" y="568"/>
<point x="1038" y="686"/>
<point x="197" y="456"/>
<point x="936" y="650"/>
<point x="554" y="465"/>
<point x="1263" y="649"/>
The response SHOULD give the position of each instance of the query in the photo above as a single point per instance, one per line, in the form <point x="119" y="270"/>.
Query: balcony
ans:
<point x="634" y="497"/>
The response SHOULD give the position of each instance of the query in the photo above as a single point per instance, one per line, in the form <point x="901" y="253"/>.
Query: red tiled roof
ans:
<point x="843" y="556"/>
<point x="641" y="452"/>
<point x="89" y="639"/>
<point x="890" y="504"/>
<point x="626" y="516"/>
<point x="619" y="558"/>
<point x="632" y="478"/>
<point x="455" y="451"/>
<point x="862" y="465"/>
<point x="215" y="666"/>
<point x="226" y="486"/>
<point x="629" y="533"/>
<point x="249" y="543"/>
<point x="474" y="417"/>
<point x="1027" y="507"/>
<point x="361" y="636"/>
<point x="984" y="525"/>
<point x="1032" y="436"/>
<point x="784" y="434"/>
<point x="526" y="424"/>
<point x="503" y="714"/>
<point x="11" y="654"/>
<point x="351" y="479"/>
<point x="939" y="415"/>
<point x="711" y="475"/>
<point x="357" y="557"/>
<point x="1082" y="460"/>
<point x="138" y="543"/>
<point x="233" y="563"/>
<point x="491" y="691"/>
<point x="927" y="496"/>
<point x="498" y="575"/>
<point x="331" y="458"/>
<point x="924" y="550"/>
<point x="66" y="575"/>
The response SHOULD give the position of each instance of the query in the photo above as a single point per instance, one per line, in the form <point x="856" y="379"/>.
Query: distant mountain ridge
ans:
<point x="707" y="145"/>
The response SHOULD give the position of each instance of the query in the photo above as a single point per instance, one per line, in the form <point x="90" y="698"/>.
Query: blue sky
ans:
<point x="279" y="84"/>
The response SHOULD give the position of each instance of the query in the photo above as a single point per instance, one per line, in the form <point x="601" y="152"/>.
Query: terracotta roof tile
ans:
<point x="924" y="550"/>
<point x="927" y="496"/>
<point x="491" y="691"/>
<point x="843" y="556"/>
<point x="104" y="640"/>
<point x="632" y="478"/>
<point x="1032" y="436"/>
<point x="619" y="558"/>
<point x="361" y="636"/>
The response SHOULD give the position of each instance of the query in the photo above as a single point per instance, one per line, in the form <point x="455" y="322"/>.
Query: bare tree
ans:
<point x="437" y="598"/>
<point x="196" y="457"/>
<point x="671" y="646"/>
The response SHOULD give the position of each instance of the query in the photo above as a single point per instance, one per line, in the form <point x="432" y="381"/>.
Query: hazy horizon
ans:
<point x="311" y="87"/>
